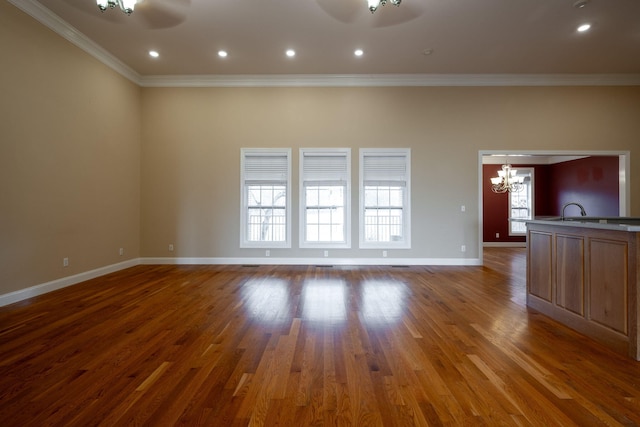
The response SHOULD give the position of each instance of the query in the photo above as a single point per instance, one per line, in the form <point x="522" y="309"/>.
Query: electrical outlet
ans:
<point x="326" y="253"/>
<point x="463" y="208"/>
<point x="170" y="247"/>
<point x="497" y="235"/>
<point x="384" y="254"/>
<point x="267" y="253"/>
<point x="121" y="251"/>
<point x="463" y="248"/>
<point x="65" y="262"/>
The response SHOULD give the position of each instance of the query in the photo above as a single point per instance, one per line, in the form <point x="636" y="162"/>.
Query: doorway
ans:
<point x="538" y="160"/>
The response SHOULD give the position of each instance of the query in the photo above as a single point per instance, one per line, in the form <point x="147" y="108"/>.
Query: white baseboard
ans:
<point x="314" y="261"/>
<point x="63" y="282"/>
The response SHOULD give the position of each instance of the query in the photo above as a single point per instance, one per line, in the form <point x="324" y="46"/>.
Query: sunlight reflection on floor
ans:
<point x="324" y="300"/>
<point x="383" y="301"/>
<point x="267" y="300"/>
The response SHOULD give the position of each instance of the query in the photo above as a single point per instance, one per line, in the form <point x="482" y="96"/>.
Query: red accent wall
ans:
<point x="592" y="182"/>
<point x="495" y="207"/>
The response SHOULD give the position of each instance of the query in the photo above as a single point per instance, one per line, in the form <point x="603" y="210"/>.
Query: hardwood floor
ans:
<point x="298" y="346"/>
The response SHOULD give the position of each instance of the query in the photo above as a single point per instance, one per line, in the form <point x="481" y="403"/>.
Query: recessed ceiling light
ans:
<point x="358" y="52"/>
<point x="427" y="52"/>
<point x="584" y="27"/>
<point x="153" y="54"/>
<point x="222" y="53"/>
<point x="290" y="53"/>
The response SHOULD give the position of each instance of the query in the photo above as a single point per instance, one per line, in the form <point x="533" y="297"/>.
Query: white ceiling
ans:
<point x="465" y="36"/>
<point x="534" y="159"/>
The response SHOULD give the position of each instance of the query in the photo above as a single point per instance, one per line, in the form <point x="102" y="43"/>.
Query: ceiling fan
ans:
<point x="163" y="13"/>
<point x="349" y="11"/>
<point x="153" y="14"/>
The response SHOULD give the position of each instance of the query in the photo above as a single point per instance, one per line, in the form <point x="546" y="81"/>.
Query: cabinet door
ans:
<point x="570" y="280"/>
<point x="608" y="284"/>
<point x="539" y="265"/>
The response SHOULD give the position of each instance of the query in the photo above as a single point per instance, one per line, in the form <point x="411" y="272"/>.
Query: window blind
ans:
<point x="325" y="167"/>
<point x="384" y="169"/>
<point x="265" y="168"/>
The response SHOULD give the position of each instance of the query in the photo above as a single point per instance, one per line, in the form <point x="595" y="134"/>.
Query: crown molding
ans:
<point x="387" y="80"/>
<point x="61" y="27"/>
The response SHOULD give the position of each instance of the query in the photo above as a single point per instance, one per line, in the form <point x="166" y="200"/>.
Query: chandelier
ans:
<point x="125" y="5"/>
<point x="507" y="180"/>
<point x="373" y="4"/>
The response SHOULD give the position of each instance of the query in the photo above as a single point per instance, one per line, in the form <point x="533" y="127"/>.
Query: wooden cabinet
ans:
<point x="570" y="276"/>
<point x="586" y="278"/>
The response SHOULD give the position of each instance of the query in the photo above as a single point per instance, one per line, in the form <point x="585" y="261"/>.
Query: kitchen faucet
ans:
<point x="582" y="211"/>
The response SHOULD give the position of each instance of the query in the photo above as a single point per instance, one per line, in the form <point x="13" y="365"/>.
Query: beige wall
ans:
<point x="89" y="162"/>
<point x="69" y="157"/>
<point x="192" y="139"/>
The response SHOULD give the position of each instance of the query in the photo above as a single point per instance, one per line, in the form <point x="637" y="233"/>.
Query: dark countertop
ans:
<point x="631" y="224"/>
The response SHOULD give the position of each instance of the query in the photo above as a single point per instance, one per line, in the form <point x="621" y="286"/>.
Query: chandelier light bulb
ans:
<point x="103" y="4"/>
<point x="126" y="6"/>
<point x="373" y="4"/>
<point x="507" y="180"/>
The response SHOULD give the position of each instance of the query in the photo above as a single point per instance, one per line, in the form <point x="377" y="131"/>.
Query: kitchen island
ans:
<point x="583" y="272"/>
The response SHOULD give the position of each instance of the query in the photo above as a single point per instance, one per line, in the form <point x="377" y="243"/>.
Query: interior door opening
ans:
<point x="598" y="179"/>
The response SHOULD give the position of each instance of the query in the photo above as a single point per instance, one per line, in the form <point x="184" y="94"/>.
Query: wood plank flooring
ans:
<point x="306" y="346"/>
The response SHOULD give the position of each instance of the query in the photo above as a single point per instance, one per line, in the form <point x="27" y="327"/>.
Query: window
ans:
<point x="521" y="203"/>
<point x="266" y="200"/>
<point x="385" y="195"/>
<point x="325" y="194"/>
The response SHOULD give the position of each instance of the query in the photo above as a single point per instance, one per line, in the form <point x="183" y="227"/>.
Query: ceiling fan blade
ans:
<point x="389" y="15"/>
<point x="152" y="14"/>
<point x="162" y="13"/>
<point x="343" y="10"/>
<point x="91" y="8"/>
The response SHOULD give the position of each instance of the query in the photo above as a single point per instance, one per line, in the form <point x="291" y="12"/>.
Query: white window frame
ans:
<point x="342" y="177"/>
<point x="269" y="178"/>
<point x="388" y="178"/>
<point x="527" y="172"/>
